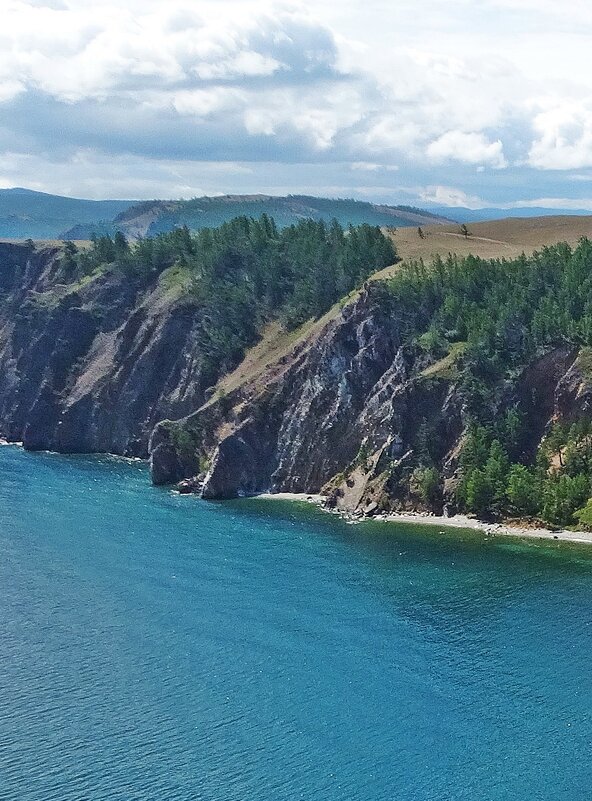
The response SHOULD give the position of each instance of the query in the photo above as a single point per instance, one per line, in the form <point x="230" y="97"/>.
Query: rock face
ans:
<point x="112" y="364"/>
<point x="94" y="365"/>
<point x="343" y="416"/>
<point x="294" y="427"/>
<point x="343" y="409"/>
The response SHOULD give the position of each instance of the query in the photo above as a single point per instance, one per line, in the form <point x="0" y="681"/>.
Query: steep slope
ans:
<point x="91" y="365"/>
<point x="341" y="414"/>
<point x="97" y="346"/>
<point x="465" y="383"/>
<point x="468" y="383"/>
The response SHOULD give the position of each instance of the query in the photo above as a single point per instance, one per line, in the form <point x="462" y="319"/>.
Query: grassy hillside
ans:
<point x="246" y="273"/>
<point x="490" y="240"/>
<point x="506" y="238"/>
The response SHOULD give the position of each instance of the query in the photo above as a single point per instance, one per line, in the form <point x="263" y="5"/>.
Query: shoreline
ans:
<point x="425" y="519"/>
<point x="407" y="518"/>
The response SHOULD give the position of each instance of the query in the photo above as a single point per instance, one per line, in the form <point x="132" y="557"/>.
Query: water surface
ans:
<point x="154" y="647"/>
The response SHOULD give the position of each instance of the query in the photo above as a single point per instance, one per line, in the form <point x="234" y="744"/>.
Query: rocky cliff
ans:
<point x="112" y="363"/>
<point x="347" y="414"/>
<point x="92" y="365"/>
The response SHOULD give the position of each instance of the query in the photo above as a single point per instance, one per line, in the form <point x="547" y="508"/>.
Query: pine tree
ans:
<point x="523" y="492"/>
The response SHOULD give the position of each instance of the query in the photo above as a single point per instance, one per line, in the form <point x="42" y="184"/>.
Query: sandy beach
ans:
<point x="457" y="521"/>
<point x="292" y="496"/>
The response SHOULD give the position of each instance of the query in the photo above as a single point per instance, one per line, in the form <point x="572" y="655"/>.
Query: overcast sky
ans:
<point x="458" y="102"/>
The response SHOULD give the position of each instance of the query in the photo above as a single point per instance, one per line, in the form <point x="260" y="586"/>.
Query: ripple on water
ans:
<point x="157" y="647"/>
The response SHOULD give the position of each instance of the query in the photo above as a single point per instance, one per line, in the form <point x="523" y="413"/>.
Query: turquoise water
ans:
<point x="158" y="647"/>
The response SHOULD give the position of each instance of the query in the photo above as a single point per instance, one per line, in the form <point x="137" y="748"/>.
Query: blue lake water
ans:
<point x="159" y="647"/>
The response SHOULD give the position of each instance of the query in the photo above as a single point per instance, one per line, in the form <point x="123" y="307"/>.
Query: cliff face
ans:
<point x="294" y="426"/>
<point x="344" y="414"/>
<point x="112" y="363"/>
<point x="91" y="365"/>
<point x="339" y="415"/>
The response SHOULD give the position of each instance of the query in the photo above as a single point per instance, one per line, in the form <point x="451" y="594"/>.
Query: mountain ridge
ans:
<point x="152" y="217"/>
<point x="30" y="214"/>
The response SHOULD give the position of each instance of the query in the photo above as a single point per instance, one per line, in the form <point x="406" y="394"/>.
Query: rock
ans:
<point x="92" y="366"/>
<point x="341" y="416"/>
<point x="190" y="486"/>
<point x="113" y="364"/>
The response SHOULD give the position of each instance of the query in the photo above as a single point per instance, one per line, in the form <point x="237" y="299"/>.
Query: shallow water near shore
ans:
<point x="159" y="647"/>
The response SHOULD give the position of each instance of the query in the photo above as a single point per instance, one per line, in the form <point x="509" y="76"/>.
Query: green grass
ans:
<point x="53" y="297"/>
<point x="177" y="279"/>
<point x="584" y="363"/>
<point x="446" y="369"/>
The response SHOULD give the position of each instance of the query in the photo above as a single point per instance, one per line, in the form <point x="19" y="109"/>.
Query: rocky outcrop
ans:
<point x="347" y="415"/>
<point x="573" y="395"/>
<point x="92" y="365"/>
<point x="112" y="363"/>
<point x="348" y="402"/>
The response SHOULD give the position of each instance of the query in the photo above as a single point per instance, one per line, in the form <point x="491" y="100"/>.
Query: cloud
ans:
<point x="564" y="137"/>
<point x="579" y="204"/>
<point x="449" y="196"/>
<point x="370" y="166"/>
<point x="466" y="97"/>
<point x="243" y="80"/>
<point x="77" y="52"/>
<point x="470" y="148"/>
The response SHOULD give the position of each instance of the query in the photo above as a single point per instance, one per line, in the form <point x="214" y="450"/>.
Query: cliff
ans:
<point x="355" y="408"/>
<point x="92" y="365"/>
<point x="346" y="414"/>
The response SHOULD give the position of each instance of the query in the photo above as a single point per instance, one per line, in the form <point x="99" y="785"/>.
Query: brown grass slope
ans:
<point x="492" y="239"/>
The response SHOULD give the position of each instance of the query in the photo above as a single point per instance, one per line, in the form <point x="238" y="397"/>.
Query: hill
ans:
<point x="466" y="215"/>
<point x="160" y="216"/>
<point x="494" y="239"/>
<point x="98" y="345"/>
<point x="252" y="358"/>
<point x="466" y="388"/>
<point x="25" y="214"/>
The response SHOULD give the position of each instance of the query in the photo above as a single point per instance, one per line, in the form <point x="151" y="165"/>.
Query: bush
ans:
<point x="428" y="484"/>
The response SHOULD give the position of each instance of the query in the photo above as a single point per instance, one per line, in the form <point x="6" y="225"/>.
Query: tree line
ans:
<point x="245" y="273"/>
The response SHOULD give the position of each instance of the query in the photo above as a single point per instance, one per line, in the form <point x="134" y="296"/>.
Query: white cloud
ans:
<point x="79" y="52"/>
<point x="205" y="102"/>
<point x="470" y="148"/>
<point x="579" y="204"/>
<point x="467" y="86"/>
<point x="87" y="173"/>
<point x="371" y="166"/>
<point x="564" y="132"/>
<point x="450" y="196"/>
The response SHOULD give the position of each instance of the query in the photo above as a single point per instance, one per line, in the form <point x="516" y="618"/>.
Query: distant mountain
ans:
<point x="461" y="214"/>
<point x="26" y="214"/>
<point x="158" y="216"/>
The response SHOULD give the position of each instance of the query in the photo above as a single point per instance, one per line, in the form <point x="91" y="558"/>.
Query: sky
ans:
<point x="472" y="103"/>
